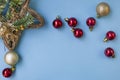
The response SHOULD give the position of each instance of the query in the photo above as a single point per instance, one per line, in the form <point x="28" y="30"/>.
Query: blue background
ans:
<point x="51" y="54"/>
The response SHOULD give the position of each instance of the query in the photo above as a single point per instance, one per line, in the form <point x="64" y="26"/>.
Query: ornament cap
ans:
<point x="98" y="16"/>
<point x="91" y="28"/>
<point x="72" y="30"/>
<point x="13" y="68"/>
<point x="58" y="17"/>
<point x="113" y="56"/>
<point x="105" y="39"/>
<point x="66" y="19"/>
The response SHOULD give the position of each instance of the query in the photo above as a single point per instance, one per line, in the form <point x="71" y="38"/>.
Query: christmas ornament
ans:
<point x="109" y="52"/>
<point x="57" y="23"/>
<point x="7" y="72"/>
<point x="77" y="32"/>
<point x="102" y="9"/>
<point x="72" y="22"/>
<point x="15" y="17"/>
<point x="110" y="35"/>
<point x="11" y="58"/>
<point x="91" y="23"/>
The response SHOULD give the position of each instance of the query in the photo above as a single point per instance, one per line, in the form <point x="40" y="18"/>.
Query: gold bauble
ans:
<point x="11" y="58"/>
<point x="102" y="9"/>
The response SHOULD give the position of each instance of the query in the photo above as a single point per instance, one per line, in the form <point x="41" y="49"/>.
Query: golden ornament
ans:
<point x="102" y="9"/>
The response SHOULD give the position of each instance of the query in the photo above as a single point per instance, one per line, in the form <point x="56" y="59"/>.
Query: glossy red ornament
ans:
<point x="91" y="23"/>
<point x="72" y="22"/>
<point x="109" y="52"/>
<point x="7" y="72"/>
<point x="110" y="35"/>
<point x="77" y="32"/>
<point x="57" y="23"/>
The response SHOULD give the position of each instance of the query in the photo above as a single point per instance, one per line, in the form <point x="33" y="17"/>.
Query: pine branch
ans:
<point x="26" y="21"/>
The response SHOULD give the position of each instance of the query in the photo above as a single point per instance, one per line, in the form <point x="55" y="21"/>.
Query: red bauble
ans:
<point x="57" y="23"/>
<point x="91" y="23"/>
<point x="109" y="52"/>
<point x="78" y="32"/>
<point x="7" y="72"/>
<point x="72" y="22"/>
<point x="110" y="35"/>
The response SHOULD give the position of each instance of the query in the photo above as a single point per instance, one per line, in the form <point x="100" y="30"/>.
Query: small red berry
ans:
<point x="7" y="72"/>
<point x="91" y="23"/>
<point x="57" y="23"/>
<point x="109" y="52"/>
<point x="110" y="35"/>
<point x="72" y="22"/>
<point x="78" y="32"/>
